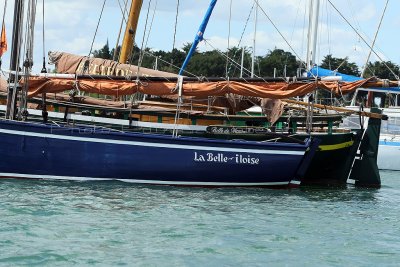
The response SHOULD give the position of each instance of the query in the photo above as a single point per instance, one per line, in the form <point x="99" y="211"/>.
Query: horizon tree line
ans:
<point x="213" y="63"/>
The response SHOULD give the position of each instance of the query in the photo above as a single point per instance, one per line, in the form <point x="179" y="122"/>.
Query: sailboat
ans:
<point x="57" y="151"/>
<point x="84" y="152"/>
<point x="388" y="139"/>
<point x="387" y="157"/>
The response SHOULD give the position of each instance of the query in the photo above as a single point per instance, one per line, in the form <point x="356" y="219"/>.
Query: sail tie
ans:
<point x="73" y="92"/>
<point x="385" y="83"/>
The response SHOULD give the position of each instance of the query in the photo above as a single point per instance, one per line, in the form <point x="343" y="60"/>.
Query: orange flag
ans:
<point x="3" y="41"/>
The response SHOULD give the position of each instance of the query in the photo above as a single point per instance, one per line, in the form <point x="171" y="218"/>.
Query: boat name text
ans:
<point x="221" y="158"/>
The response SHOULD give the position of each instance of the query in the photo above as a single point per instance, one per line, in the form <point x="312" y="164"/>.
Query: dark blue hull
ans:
<point x="30" y="150"/>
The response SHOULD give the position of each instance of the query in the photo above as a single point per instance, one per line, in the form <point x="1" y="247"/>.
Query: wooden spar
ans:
<point x="339" y="109"/>
<point x="130" y="31"/>
<point x="186" y="79"/>
<point x="189" y="106"/>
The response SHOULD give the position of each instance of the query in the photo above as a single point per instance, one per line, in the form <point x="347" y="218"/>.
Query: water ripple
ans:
<point x="50" y="223"/>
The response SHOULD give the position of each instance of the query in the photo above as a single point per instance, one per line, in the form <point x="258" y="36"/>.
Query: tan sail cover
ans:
<point x="3" y="85"/>
<point x="73" y="64"/>
<point x="272" y="109"/>
<point x="273" y="90"/>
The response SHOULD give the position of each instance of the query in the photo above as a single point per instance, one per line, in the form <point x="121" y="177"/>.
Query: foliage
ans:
<point x="342" y="65"/>
<point x="235" y="56"/>
<point x="214" y="63"/>
<point x="380" y="70"/>
<point x="103" y="52"/>
<point x="209" y="64"/>
<point x="281" y="61"/>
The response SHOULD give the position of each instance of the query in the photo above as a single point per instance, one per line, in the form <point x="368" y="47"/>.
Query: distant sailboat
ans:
<point x="389" y="142"/>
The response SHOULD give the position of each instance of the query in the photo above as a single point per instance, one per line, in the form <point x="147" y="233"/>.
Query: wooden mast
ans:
<point x="130" y="31"/>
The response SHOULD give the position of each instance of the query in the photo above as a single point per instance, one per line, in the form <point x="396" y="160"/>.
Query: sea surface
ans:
<point x="53" y="223"/>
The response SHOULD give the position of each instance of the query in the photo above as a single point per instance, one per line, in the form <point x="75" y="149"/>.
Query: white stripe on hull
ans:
<point x="148" y="144"/>
<point x="156" y="182"/>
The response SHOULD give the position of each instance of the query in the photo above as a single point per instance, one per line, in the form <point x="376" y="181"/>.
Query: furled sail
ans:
<point x="73" y="64"/>
<point x="273" y="90"/>
<point x="321" y="72"/>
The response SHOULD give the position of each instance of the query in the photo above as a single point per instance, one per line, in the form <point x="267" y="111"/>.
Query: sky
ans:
<point x="70" y="26"/>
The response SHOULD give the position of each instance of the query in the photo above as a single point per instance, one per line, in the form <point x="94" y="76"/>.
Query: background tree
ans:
<point x="234" y="64"/>
<point x="103" y="52"/>
<point x="209" y="64"/>
<point x="170" y="61"/>
<point x="213" y="63"/>
<point x="186" y="48"/>
<point x="278" y="59"/>
<point x="381" y="70"/>
<point x="342" y="65"/>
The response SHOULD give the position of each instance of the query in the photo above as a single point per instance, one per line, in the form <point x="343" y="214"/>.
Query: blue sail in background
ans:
<point x="321" y="72"/>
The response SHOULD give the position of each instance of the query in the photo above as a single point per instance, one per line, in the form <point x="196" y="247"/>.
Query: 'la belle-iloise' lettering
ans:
<point x="221" y="158"/>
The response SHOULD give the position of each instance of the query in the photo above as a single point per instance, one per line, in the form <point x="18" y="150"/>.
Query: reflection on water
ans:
<point x="350" y="193"/>
<point x="114" y="195"/>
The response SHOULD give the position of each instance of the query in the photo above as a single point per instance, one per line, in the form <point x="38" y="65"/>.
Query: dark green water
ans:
<point x="51" y="223"/>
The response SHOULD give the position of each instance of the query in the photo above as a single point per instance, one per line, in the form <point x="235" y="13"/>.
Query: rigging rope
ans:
<point x="43" y="42"/>
<point x="329" y="23"/>
<point x="176" y="24"/>
<point x="94" y="37"/>
<point x="170" y="64"/>
<point x="141" y="55"/>
<point x="231" y="60"/>
<point x="45" y="114"/>
<point x="376" y="35"/>
<point x="362" y="38"/>
<point x="292" y="34"/>
<point x="3" y="25"/>
<point x="229" y="36"/>
<point x="180" y="79"/>
<point x="4" y="11"/>
<point x="241" y="36"/>
<point x="28" y="57"/>
<point x="123" y="11"/>
<point x="136" y="95"/>
<point x="151" y="23"/>
<point x="15" y="62"/>
<point x="279" y="32"/>
<point x="303" y="34"/>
